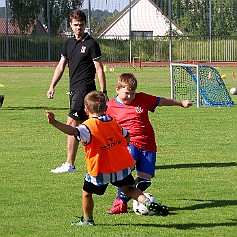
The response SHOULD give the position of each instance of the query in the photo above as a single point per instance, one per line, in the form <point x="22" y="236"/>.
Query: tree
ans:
<point x="99" y="19"/>
<point x="25" y="12"/>
<point x="192" y="16"/>
<point x="224" y="18"/>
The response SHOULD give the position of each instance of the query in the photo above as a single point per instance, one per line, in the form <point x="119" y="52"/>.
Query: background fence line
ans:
<point x="28" y="48"/>
<point x="36" y="46"/>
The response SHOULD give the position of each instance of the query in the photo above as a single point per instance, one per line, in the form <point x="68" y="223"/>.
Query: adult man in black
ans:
<point x="83" y="56"/>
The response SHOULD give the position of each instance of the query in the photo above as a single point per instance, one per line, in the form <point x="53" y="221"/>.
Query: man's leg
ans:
<point x="72" y="143"/>
<point x="72" y="147"/>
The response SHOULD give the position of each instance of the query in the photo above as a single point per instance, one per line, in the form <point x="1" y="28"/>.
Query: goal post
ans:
<point x="201" y="84"/>
<point x="183" y="85"/>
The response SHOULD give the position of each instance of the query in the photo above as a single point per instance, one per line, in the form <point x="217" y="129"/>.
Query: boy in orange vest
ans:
<point x="107" y="157"/>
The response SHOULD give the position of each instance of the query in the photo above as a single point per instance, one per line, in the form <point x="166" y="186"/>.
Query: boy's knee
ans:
<point x="86" y="194"/>
<point x="142" y="183"/>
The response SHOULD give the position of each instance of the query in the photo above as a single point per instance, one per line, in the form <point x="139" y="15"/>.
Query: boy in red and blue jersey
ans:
<point x="130" y="109"/>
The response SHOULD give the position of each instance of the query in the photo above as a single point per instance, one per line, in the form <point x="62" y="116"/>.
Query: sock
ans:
<point x="146" y="201"/>
<point x="122" y="196"/>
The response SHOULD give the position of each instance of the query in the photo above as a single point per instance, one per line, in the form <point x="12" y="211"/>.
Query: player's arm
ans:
<point x="172" y="102"/>
<point x="101" y="75"/>
<point x="60" y="126"/>
<point x="57" y="76"/>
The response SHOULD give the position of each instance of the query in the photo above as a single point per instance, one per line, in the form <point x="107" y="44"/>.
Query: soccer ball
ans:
<point x="223" y="76"/>
<point x="233" y="91"/>
<point x="141" y="209"/>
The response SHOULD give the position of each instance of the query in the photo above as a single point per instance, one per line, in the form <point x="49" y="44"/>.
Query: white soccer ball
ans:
<point x="233" y="91"/>
<point x="141" y="209"/>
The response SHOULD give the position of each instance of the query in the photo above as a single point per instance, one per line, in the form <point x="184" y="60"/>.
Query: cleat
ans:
<point x="83" y="222"/>
<point x="116" y="201"/>
<point x="64" y="168"/>
<point x="118" y="207"/>
<point x="157" y="208"/>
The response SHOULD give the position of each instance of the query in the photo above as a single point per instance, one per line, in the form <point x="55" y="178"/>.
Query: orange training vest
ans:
<point x="107" y="152"/>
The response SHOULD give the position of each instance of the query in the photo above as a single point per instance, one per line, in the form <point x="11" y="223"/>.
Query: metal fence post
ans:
<point x="130" y="31"/>
<point x="7" y="39"/>
<point x="171" y="35"/>
<point x="210" y="28"/>
<point x="48" y="16"/>
<point x="89" y="17"/>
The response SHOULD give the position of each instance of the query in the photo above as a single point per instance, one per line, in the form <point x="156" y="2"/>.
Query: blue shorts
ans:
<point x="145" y="160"/>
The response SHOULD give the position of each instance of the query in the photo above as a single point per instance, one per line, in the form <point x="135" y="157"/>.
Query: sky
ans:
<point x="2" y="3"/>
<point x="109" y="5"/>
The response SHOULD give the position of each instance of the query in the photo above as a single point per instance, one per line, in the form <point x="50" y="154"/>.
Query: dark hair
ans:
<point x="78" y="15"/>
<point x="95" y="102"/>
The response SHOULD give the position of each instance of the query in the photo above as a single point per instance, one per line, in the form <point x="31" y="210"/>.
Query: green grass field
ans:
<point x="195" y="175"/>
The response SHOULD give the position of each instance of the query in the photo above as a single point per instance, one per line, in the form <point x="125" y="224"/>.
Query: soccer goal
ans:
<point x="200" y="84"/>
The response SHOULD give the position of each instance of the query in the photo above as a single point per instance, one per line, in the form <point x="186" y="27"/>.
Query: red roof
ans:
<point x="15" y="29"/>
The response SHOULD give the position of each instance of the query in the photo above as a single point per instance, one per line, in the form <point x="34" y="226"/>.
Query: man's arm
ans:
<point x="57" y="76"/>
<point x="101" y="75"/>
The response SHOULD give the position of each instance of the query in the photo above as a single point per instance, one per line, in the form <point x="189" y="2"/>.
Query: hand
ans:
<point x="50" y="116"/>
<point x="50" y="93"/>
<point x="186" y="103"/>
<point x="106" y="97"/>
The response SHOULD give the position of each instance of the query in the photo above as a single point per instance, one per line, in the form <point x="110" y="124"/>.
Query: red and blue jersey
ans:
<point x="134" y="117"/>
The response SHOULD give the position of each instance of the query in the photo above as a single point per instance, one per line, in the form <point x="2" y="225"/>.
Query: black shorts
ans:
<point x="77" y="111"/>
<point x="100" y="190"/>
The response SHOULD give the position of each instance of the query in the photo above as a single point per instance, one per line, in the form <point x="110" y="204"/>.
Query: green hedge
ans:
<point x="29" y="48"/>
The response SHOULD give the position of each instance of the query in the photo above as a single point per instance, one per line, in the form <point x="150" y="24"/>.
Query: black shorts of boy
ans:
<point x="77" y="111"/>
<point x="100" y="190"/>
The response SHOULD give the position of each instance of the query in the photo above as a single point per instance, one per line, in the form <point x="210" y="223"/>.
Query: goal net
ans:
<point x="200" y="84"/>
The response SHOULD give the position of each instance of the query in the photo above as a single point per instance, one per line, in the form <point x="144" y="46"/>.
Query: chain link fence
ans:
<point x="155" y="31"/>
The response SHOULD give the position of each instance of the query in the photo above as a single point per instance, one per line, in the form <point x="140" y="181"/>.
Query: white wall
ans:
<point x="145" y="17"/>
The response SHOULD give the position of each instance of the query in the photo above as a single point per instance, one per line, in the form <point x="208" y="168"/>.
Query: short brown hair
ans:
<point x="78" y="15"/>
<point x="127" y="80"/>
<point x="95" y="102"/>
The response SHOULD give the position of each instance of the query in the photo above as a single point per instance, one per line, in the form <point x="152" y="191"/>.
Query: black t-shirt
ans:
<point x="80" y="55"/>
